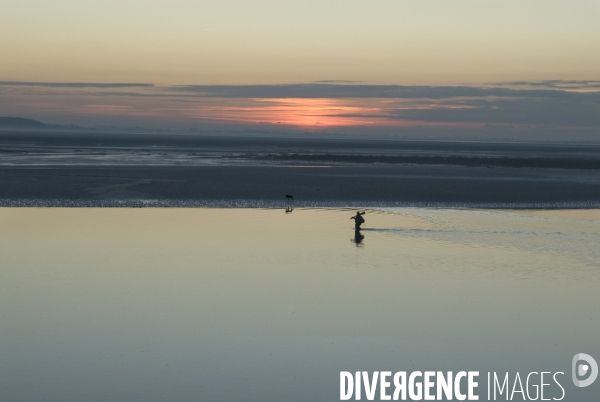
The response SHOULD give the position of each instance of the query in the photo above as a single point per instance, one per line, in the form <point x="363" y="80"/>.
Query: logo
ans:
<point x="464" y="385"/>
<point x="584" y="365"/>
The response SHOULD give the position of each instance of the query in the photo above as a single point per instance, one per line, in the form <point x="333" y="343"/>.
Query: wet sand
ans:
<point x="175" y="170"/>
<point x="310" y="186"/>
<point x="209" y="304"/>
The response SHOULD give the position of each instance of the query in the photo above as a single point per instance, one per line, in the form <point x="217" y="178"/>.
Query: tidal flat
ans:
<point x="213" y="304"/>
<point x="87" y="169"/>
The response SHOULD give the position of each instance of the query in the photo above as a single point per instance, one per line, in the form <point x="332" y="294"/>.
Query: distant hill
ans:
<point x="19" y="122"/>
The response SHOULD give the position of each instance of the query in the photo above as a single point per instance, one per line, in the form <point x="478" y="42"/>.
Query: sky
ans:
<point x="456" y="64"/>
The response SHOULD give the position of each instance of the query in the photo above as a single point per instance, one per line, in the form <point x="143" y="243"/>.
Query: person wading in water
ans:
<point x="358" y="220"/>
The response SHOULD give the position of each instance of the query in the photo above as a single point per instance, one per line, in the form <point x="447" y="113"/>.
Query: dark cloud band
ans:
<point x="340" y="91"/>
<point x="75" y="84"/>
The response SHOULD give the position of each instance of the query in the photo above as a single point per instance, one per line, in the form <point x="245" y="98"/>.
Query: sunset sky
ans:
<point x="319" y="64"/>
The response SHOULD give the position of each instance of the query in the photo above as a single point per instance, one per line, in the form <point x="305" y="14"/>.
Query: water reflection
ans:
<point x="122" y="304"/>
<point x="358" y="238"/>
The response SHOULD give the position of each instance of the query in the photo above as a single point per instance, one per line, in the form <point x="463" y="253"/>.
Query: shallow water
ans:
<point x="263" y="305"/>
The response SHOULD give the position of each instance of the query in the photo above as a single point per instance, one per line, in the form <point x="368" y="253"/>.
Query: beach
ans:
<point x="210" y="304"/>
<point x="83" y="169"/>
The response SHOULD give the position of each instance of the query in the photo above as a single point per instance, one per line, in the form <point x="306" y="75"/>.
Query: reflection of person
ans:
<point x="358" y="220"/>
<point x="358" y="238"/>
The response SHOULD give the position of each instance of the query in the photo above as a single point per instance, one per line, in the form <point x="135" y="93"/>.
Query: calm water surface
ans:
<point x="260" y="305"/>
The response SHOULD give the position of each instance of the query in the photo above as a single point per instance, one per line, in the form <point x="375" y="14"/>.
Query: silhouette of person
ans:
<point x="358" y="220"/>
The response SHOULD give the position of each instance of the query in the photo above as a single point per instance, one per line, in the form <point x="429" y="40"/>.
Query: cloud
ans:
<point x="548" y="112"/>
<point x="522" y="111"/>
<point x="75" y="84"/>
<point x="340" y="91"/>
<point x="555" y="84"/>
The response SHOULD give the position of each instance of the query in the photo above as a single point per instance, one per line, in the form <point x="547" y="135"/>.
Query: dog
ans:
<point x="289" y="197"/>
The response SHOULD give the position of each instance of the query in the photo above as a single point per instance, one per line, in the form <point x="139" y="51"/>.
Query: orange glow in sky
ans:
<point x="295" y="112"/>
<point x="307" y="113"/>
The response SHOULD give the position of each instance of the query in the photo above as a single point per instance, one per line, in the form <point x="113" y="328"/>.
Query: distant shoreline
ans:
<point x="269" y="204"/>
<point x="472" y="161"/>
